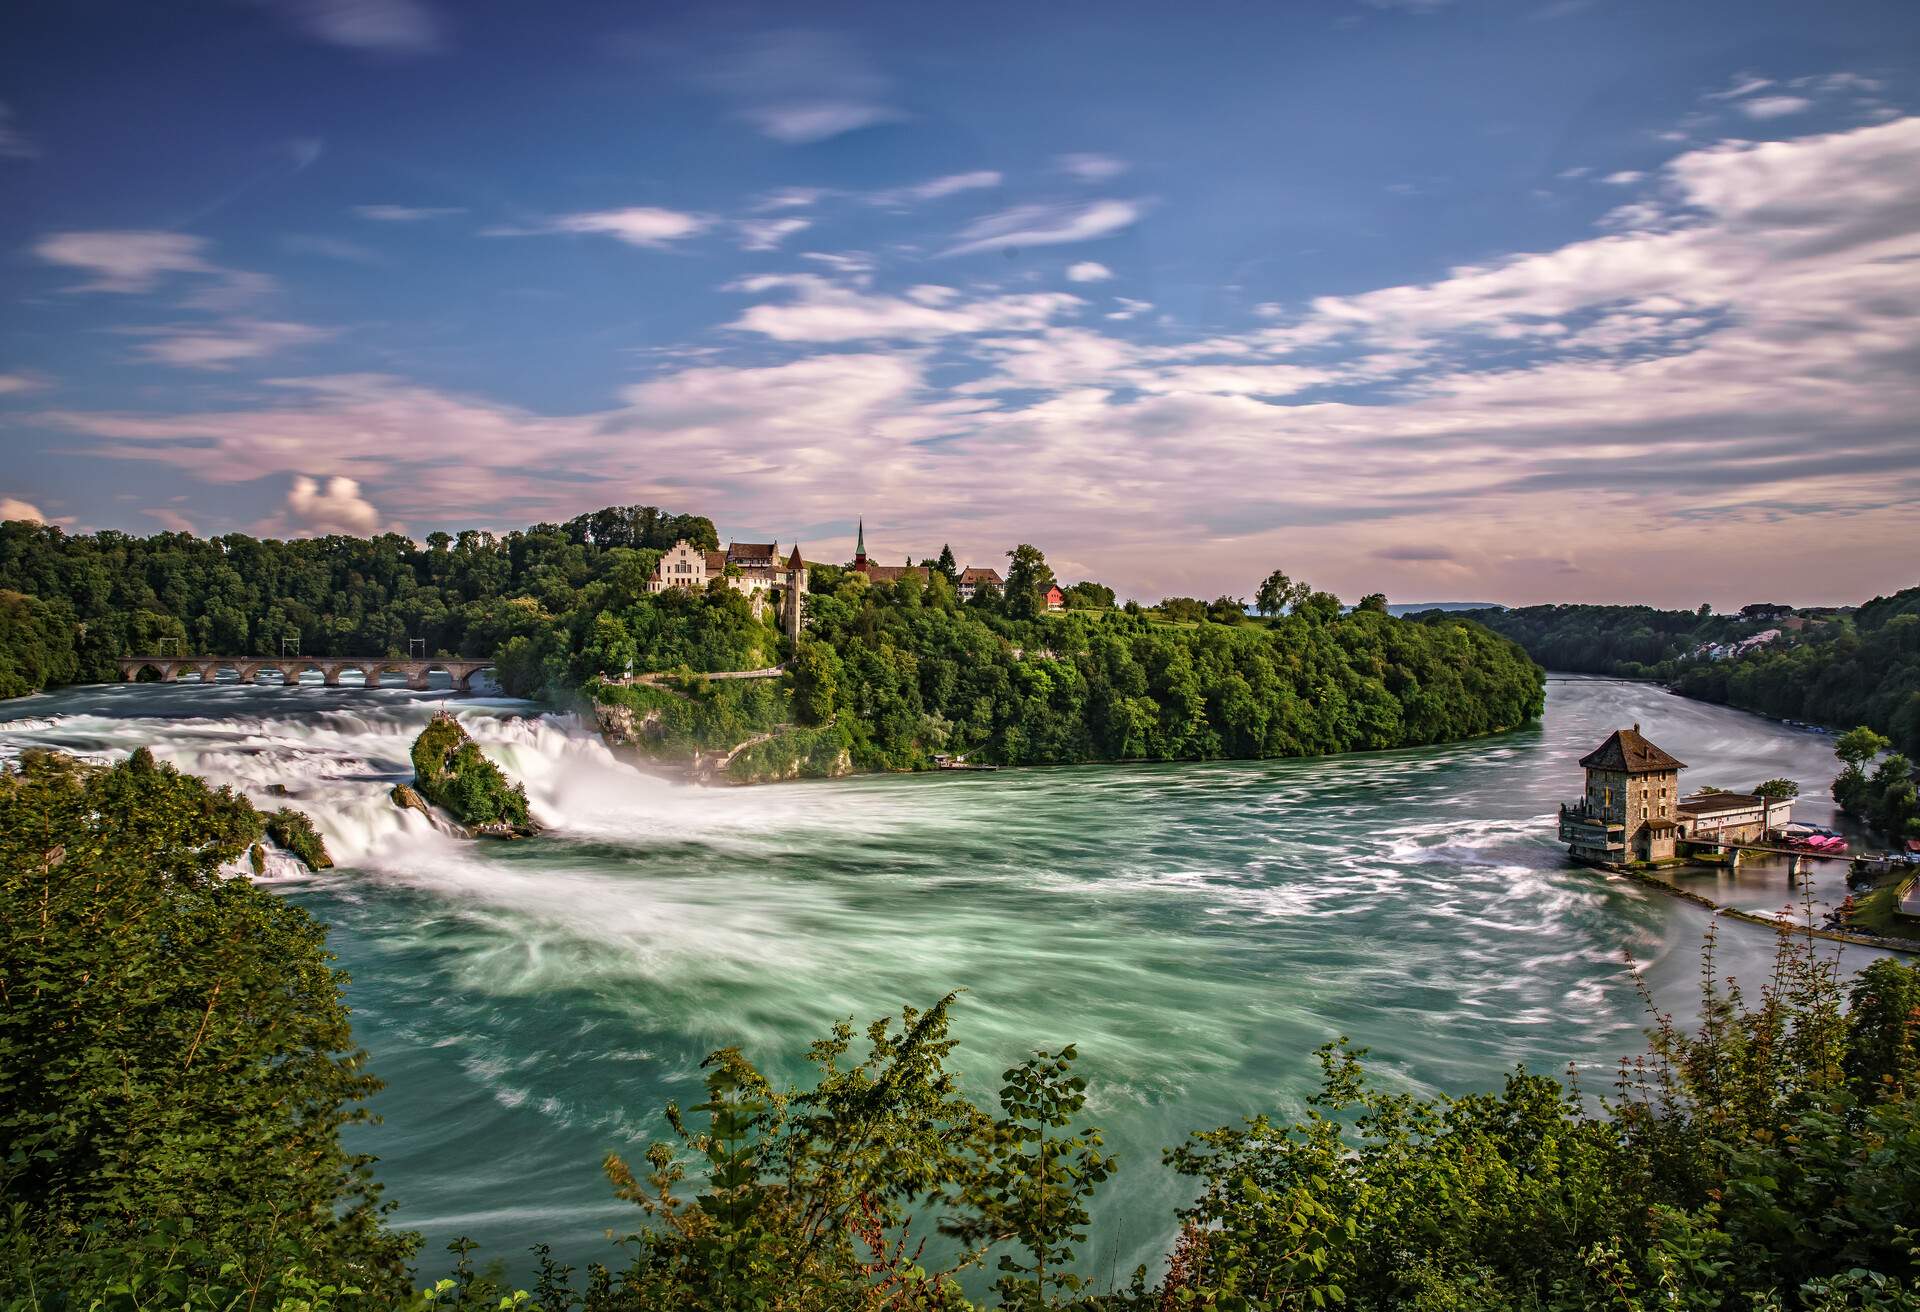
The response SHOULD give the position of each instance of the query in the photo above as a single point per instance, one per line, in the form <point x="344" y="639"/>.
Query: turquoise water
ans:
<point x="1197" y="929"/>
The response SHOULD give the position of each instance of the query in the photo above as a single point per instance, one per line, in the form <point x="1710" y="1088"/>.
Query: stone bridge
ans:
<point x="249" y="668"/>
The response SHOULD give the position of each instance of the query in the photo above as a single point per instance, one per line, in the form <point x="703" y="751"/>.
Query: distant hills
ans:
<point x="1415" y="607"/>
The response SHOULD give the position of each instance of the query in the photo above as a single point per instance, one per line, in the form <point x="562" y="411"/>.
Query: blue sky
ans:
<point x="1583" y="301"/>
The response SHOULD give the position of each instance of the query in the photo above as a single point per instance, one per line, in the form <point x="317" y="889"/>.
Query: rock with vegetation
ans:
<point x="407" y="799"/>
<point x="293" y="831"/>
<point x="175" y="1059"/>
<point x="450" y="771"/>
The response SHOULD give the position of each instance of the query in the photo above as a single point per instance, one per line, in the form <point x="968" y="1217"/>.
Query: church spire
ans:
<point x="860" y="546"/>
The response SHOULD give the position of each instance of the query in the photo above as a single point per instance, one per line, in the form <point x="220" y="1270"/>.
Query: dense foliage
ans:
<point x="292" y="830"/>
<point x="450" y="771"/>
<point x="111" y="594"/>
<point x="1876" y="788"/>
<point x="175" y="1058"/>
<point x="1861" y="667"/>
<point x="911" y="672"/>
<point x="1628" y="640"/>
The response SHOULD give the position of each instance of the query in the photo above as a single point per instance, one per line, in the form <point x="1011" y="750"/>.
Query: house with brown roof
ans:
<point x="1731" y="817"/>
<point x="973" y="577"/>
<point x="1628" y="813"/>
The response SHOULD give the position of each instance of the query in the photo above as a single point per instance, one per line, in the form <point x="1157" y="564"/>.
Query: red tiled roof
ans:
<point x="980" y="574"/>
<point x="1627" y="751"/>
<point x="1715" y="803"/>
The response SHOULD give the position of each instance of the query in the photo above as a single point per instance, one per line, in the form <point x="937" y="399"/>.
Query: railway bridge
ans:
<point x="248" y="669"/>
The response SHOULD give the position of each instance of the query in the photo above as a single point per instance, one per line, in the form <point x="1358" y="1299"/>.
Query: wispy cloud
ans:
<point x="802" y="86"/>
<point x="125" y="261"/>
<point x="817" y="310"/>
<point x="332" y="248"/>
<point x="1088" y="271"/>
<point x="394" y="27"/>
<point x="767" y="234"/>
<point x="405" y="213"/>
<point x="936" y="188"/>
<point x="1765" y="107"/>
<point x="17" y="508"/>
<point x="1090" y="167"/>
<point x="221" y="346"/>
<point x="14" y="384"/>
<point x="640" y="225"/>
<point x="1046" y="225"/>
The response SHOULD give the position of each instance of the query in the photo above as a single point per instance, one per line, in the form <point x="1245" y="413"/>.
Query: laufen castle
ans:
<point x="756" y="570"/>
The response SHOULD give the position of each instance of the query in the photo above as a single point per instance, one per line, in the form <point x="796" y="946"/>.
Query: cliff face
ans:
<point x="451" y="772"/>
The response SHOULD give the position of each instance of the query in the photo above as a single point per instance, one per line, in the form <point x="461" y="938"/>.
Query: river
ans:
<point x="1196" y="929"/>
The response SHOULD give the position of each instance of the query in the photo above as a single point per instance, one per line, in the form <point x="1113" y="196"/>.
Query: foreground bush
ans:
<point x="175" y="1058"/>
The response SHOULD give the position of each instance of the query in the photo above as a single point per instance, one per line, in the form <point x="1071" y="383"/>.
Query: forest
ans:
<point x="1843" y="668"/>
<point x="177" y="1063"/>
<point x="885" y="677"/>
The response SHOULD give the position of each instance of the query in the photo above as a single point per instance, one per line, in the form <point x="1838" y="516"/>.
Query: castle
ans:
<point x="1632" y="811"/>
<point x="755" y="570"/>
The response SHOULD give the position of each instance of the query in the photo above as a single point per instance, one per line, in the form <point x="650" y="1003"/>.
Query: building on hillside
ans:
<point x="1628" y="812"/>
<point x="749" y="568"/>
<point x="973" y="577"/>
<point x="1055" y="599"/>
<point x="1730" y="817"/>
<point x="683" y="566"/>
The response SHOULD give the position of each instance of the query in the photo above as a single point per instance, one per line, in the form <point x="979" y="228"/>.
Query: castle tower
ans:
<point x="796" y="589"/>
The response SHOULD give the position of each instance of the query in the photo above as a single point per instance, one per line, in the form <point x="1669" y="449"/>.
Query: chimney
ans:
<point x="1636" y="726"/>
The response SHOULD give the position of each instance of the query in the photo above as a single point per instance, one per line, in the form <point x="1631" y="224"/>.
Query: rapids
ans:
<point x="1197" y="929"/>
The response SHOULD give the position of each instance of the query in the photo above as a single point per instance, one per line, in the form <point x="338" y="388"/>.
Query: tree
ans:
<point x="1374" y="602"/>
<point x="1857" y="746"/>
<point x="1227" y="610"/>
<point x="1777" y="790"/>
<point x="947" y="565"/>
<point x="1276" y="593"/>
<point x="175" y="1059"/>
<point x="1028" y="578"/>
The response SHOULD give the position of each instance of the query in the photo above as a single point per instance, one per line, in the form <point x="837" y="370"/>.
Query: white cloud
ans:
<point x="221" y="347"/>
<point x="404" y="27"/>
<point x="800" y="86"/>
<point x="314" y="509"/>
<point x="799" y="124"/>
<point x="767" y="234"/>
<point x="15" y="508"/>
<point x="1623" y="178"/>
<point x="640" y="225"/>
<point x="1728" y="380"/>
<point x="1089" y="167"/>
<point x="405" y="213"/>
<point x="823" y="311"/>
<point x="1046" y="225"/>
<point x="14" y="143"/>
<point x="1743" y="84"/>
<point x="1765" y="107"/>
<point x="12" y="384"/>
<point x="793" y="198"/>
<point x="124" y="261"/>
<point x="1129" y="308"/>
<point x="935" y="188"/>
<point x="1088" y="271"/>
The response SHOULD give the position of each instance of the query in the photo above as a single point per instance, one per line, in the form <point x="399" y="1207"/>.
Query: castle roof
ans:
<point x="751" y="550"/>
<point x="1626" y="750"/>
<point x="794" y="561"/>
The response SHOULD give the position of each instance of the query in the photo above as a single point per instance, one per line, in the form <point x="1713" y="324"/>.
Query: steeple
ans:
<point x="860" y="546"/>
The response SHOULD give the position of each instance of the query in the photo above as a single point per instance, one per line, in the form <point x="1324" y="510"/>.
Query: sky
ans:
<point x="1539" y="300"/>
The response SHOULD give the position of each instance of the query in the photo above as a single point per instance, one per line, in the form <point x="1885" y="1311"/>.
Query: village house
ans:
<point x="1055" y="599"/>
<point x="1627" y="814"/>
<point x="974" y="577"/>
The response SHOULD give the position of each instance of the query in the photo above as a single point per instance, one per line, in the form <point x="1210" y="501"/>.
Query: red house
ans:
<point x="1054" y="600"/>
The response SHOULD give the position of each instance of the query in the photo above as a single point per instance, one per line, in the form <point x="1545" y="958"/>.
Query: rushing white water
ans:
<point x="1198" y="930"/>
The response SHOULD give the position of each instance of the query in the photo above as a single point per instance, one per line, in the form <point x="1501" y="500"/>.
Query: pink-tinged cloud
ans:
<point x="1720" y="388"/>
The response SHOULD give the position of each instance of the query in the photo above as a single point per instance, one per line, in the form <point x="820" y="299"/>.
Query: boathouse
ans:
<point x="1731" y="817"/>
<point x="1628" y="812"/>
